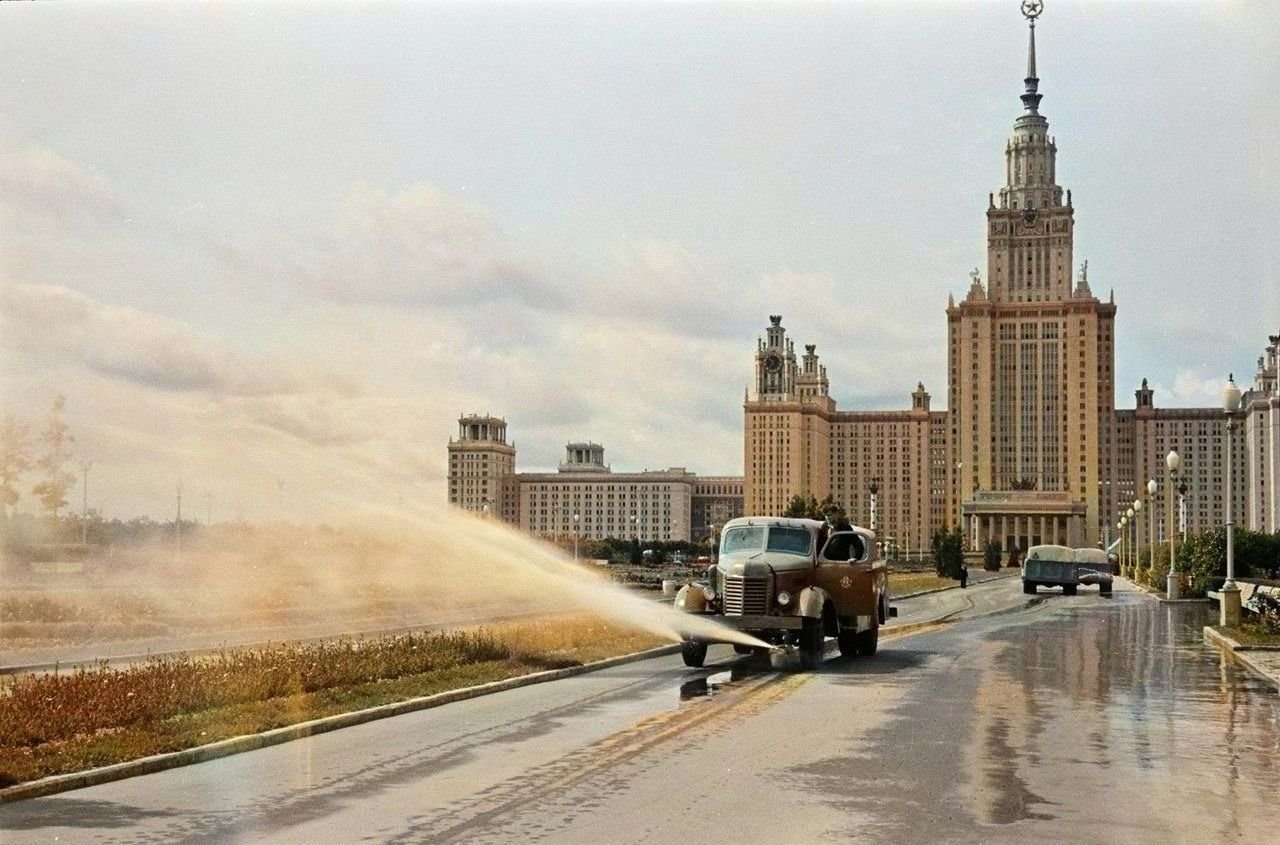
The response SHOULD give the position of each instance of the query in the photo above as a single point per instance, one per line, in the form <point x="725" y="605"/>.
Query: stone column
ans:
<point x="1004" y="528"/>
<point x="1043" y="532"/>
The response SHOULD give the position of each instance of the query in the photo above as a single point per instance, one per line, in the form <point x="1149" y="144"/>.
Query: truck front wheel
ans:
<point x="811" y="642"/>
<point x="1068" y="589"/>
<point x="1029" y="587"/>
<point x="694" y="654"/>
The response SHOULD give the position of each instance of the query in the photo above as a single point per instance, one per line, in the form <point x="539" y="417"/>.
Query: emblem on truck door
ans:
<point x="846" y="582"/>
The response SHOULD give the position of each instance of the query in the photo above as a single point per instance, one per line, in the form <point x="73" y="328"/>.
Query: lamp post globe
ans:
<point x="1152" y="487"/>
<point x="1173" y="460"/>
<point x="1230" y="396"/>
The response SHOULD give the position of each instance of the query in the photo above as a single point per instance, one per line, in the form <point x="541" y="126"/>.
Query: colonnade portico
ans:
<point x="1023" y="518"/>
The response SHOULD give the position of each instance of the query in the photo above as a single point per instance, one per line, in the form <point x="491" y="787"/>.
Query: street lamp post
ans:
<point x="1128" y="530"/>
<point x="1123" y="549"/>
<point x="1152" y="487"/>
<point x="1173" y="587"/>
<point x="575" y="537"/>
<point x="873" y="488"/>
<point x="1229" y="604"/>
<point x="1137" y="536"/>
<point x="1182" y="510"/>
<point x="1120" y="544"/>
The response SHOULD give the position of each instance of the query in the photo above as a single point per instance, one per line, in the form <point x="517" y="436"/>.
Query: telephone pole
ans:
<point x="85" y="466"/>
<point x="177" y="525"/>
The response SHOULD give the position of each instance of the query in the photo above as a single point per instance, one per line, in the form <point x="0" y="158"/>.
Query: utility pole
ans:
<point x="177" y="525"/>
<point x="85" y="466"/>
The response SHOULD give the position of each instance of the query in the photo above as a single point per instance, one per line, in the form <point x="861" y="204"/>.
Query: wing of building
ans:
<point x="1031" y="448"/>
<point x="584" y="497"/>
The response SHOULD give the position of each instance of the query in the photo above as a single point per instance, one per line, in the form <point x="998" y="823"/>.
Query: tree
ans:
<point x="56" y="440"/>
<point x="15" y="460"/>
<point x="991" y="557"/>
<point x="948" y="553"/>
<point x="807" y="507"/>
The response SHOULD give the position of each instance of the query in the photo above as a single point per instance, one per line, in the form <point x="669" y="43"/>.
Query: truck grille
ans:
<point x="746" y="596"/>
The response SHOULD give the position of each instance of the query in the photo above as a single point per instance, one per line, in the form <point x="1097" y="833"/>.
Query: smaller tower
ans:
<point x="811" y="383"/>
<point x="482" y="467"/>
<point x="776" y="367"/>
<point x="584" y="457"/>
<point x="920" y="399"/>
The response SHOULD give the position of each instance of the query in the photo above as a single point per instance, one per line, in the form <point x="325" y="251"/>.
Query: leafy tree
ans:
<point x="56" y="440"/>
<point x="991" y="557"/>
<point x="807" y="507"/>
<point x="800" y="507"/>
<point x="15" y="460"/>
<point x="948" y="553"/>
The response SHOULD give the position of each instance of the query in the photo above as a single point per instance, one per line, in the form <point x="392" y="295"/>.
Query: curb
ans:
<point x="1240" y="653"/>
<point x="1156" y="596"/>
<point x="952" y="587"/>
<point x="278" y="736"/>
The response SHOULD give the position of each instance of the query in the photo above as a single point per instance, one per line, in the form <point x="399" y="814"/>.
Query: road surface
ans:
<point x="1064" y="719"/>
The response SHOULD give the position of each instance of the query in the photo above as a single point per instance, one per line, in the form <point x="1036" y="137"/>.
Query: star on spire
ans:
<point x="1032" y="9"/>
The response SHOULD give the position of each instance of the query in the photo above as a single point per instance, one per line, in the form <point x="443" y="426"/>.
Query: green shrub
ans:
<point x="948" y="553"/>
<point x="991" y="557"/>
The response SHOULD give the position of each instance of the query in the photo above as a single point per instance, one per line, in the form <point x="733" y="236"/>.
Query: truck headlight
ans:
<point x="784" y="598"/>
<point x="708" y="594"/>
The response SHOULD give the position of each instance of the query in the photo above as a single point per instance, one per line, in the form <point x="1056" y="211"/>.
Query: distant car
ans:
<point x="1060" y="566"/>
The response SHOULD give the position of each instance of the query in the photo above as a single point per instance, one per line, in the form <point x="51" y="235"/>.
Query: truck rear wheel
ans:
<point x="1105" y="589"/>
<point x="868" y="641"/>
<point x="848" y="640"/>
<point x="694" y="654"/>
<point x="1029" y="587"/>
<point x="811" y="642"/>
<point x="1068" y="589"/>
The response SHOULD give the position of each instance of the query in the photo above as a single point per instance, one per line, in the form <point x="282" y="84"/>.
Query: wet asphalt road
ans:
<point x="1074" y="719"/>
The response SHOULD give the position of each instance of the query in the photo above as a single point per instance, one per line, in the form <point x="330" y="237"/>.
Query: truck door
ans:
<point x="845" y="572"/>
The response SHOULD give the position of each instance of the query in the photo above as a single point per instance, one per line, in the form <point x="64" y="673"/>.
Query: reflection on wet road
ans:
<point x="1072" y="719"/>
<point x="1096" y="721"/>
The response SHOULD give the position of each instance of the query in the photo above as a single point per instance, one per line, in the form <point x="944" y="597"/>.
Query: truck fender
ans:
<point x="812" y="600"/>
<point x="690" y="599"/>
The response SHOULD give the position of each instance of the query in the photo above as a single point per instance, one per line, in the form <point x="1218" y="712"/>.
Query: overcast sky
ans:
<point x="260" y="244"/>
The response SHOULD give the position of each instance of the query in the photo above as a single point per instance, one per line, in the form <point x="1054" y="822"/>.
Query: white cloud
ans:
<point x="36" y="180"/>
<point x="420" y="247"/>
<point x="48" y="323"/>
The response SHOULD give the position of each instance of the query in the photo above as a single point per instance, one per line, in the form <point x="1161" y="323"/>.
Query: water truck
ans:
<point x="792" y="583"/>
<point x="1060" y="566"/>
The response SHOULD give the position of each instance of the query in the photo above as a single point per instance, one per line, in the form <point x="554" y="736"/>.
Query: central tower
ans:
<point x="1031" y="391"/>
<point x="1029" y="231"/>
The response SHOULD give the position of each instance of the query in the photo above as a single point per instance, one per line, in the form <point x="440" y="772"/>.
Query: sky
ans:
<point x="273" y="250"/>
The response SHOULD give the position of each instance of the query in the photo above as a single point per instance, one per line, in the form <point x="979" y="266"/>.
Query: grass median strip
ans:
<point x="56" y="724"/>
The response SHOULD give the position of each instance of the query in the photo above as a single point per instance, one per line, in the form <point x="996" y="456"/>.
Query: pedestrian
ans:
<point x="964" y="575"/>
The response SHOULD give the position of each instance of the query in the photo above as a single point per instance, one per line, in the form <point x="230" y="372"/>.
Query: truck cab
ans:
<point x="792" y="583"/>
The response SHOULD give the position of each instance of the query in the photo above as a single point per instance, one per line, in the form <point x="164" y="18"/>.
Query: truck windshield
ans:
<point x="747" y="538"/>
<point x="794" y="541"/>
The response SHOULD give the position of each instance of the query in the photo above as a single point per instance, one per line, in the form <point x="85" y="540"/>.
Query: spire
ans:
<point x="1031" y="10"/>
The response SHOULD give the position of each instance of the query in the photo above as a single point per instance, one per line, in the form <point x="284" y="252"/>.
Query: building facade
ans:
<point x="584" y="497"/>
<point x="1031" y="448"/>
<point x="481" y="467"/>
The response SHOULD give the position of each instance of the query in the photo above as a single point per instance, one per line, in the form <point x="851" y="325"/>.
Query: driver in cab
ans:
<point x="844" y="546"/>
